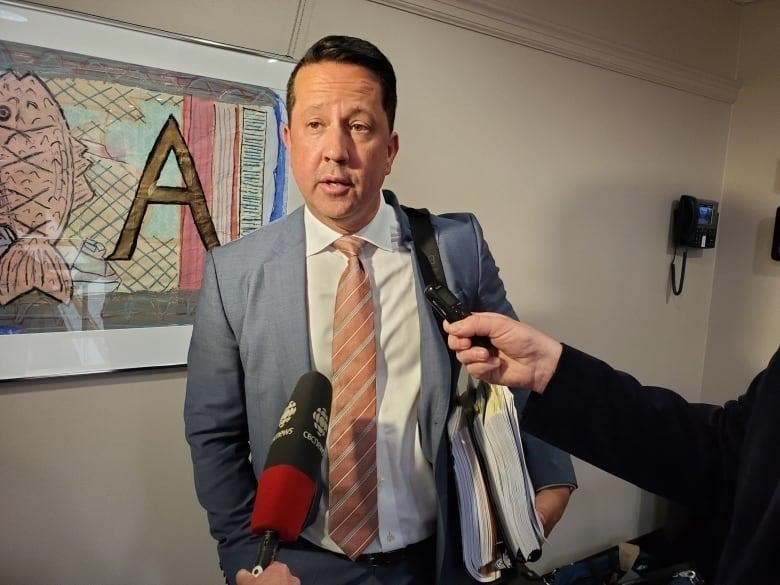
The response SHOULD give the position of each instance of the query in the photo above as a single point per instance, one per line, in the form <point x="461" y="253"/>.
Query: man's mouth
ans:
<point x="333" y="180"/>
<point x="334" y="185"/>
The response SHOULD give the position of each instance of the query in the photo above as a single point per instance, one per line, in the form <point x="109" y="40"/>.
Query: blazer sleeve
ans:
<point x="548" y="465"/>
<point x="649" y="436"/>
<point x="216" y="428"/>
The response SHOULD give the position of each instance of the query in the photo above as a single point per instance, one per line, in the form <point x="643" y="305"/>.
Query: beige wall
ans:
<point x="97" y="484"/>
<point x="745" y="317"/>
<point x="572" y="170"/>
<point x="699" y="33"/>
<point x="267" y="25"/>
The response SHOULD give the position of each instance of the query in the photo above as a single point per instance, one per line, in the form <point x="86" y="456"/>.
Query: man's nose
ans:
<point x="336" y="145"/>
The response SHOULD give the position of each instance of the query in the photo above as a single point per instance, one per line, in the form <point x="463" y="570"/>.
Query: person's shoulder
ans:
<point x="459" y="216"/>
<point x="444" y="222"/>
<point x="259" y="239"/>
<point x="456" y="221"/>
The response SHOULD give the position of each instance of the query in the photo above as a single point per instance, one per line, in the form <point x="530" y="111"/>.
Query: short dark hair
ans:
<point x="354" y="51"/>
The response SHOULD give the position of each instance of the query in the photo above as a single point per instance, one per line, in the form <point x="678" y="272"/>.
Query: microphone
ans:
<point x="288" y="482"/>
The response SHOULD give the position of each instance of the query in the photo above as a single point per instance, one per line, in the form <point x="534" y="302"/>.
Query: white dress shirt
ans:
<point x="406" y="495"/>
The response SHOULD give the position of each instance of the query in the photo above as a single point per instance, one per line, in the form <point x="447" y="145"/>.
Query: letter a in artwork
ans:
<point x="169" y="139"/>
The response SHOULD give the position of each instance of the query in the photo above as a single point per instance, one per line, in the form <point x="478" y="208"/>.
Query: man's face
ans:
<point x="340" y="143"/>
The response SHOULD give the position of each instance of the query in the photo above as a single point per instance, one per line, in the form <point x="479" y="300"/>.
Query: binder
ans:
<point x="499" y="525"/>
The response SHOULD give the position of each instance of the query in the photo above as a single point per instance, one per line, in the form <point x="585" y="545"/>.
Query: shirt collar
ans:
<point x="383" y="231"/>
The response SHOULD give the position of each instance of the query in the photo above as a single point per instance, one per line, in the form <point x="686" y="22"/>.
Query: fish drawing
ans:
<point x="41" y="181"/>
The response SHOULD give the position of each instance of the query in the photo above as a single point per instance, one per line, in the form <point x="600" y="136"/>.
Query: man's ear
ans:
<point x="286" y="136"/>
<point x="392" y="150"/>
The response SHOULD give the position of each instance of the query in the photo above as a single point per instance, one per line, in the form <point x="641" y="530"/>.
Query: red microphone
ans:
<point x="288" y="482"/>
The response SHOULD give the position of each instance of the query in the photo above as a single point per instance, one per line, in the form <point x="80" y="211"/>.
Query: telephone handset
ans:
<point x="695" y="222"/>
<point x="695" y="225"/>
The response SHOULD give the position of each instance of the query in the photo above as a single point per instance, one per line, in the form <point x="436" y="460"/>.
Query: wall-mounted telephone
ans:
<point x="695" y="225"/>
<point x="695" y="222"/>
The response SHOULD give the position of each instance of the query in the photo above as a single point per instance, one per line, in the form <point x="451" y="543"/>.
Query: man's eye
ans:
<point x="358" y="127"/>
<point x="314" y="125"/>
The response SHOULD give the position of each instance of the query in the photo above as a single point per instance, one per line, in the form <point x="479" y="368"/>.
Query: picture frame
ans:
<point x="192" y="69"/>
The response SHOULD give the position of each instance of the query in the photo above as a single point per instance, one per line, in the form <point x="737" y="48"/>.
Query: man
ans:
<point x="721" y="461"/>
<point x="266" y="316"/>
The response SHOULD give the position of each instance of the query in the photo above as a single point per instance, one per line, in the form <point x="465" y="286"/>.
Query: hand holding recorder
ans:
<point x="526" y="357"/>
<point x="449" y="308"/>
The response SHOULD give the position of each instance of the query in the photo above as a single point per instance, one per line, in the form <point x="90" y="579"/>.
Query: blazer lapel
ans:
<point x="435" y="383"/>
<point x="286" y="282"/>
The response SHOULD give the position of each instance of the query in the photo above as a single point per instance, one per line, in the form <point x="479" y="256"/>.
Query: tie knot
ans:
<point x="349" y="245"/>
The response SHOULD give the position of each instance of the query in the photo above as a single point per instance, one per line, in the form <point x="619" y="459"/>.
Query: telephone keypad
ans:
<point x="704" y="237"/>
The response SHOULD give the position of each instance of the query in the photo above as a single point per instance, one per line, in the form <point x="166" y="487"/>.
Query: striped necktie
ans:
<point x="353" y="522"/>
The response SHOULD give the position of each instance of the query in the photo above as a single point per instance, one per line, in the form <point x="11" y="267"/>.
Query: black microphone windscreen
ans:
<point x="288" y="482"/>
<point x="303" y="427"/>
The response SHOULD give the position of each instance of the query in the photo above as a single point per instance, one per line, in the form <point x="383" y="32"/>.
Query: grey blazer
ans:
<point x="250" y="345"/>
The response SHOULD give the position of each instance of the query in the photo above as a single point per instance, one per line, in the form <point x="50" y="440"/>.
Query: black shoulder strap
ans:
<point x="429" y="259"/>
<point x="425" y="245"/>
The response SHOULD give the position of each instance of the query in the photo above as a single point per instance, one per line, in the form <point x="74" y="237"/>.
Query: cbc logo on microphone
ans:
<point x="320" y="421"/>
<point x="289" y="412"/>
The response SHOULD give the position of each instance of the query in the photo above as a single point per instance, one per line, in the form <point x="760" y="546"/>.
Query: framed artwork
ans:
<point x="124" y="156"/>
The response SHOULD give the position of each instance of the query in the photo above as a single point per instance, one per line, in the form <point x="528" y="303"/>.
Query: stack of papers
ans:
<point x="497" y="433"/>
<point x="495" y="494"/>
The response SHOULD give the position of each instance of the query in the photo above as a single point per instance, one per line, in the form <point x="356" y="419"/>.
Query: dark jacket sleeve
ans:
<point x="649" y="436"/>
<point x="750" y="550"/>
